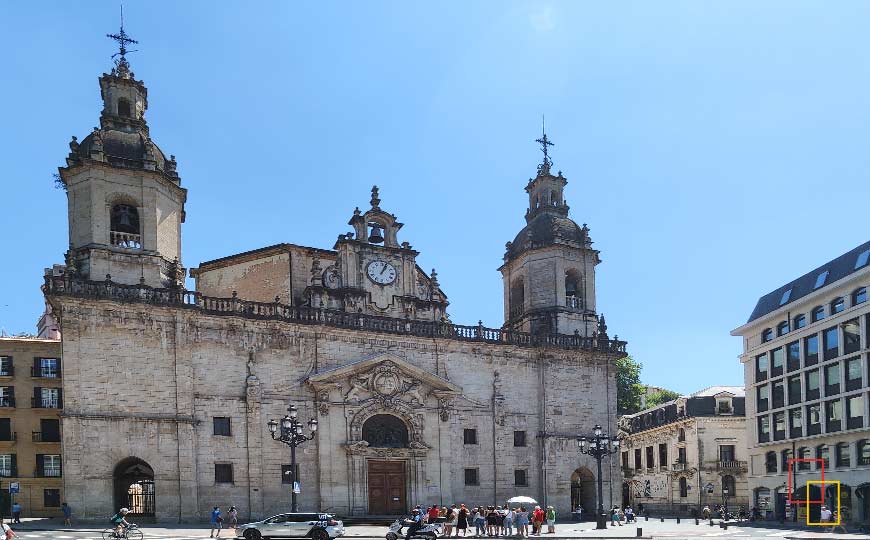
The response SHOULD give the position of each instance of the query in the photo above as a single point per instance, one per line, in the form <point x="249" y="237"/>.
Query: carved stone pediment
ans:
<point x="387" y="380"/>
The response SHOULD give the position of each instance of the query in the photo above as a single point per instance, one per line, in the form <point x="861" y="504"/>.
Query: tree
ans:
<point x="628" y="387"/>
<point x="661" y="396"/>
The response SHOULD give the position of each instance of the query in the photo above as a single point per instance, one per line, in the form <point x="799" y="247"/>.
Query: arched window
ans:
<point x="804" y="453"/>
<point x="767" y="335"/>
<point x="770" y="462"/>
<point x="817" y="314"/>
<point x="844" y="455"/>
<point x="124" y="226"/>
<point x="822" y="453"/>
<point x="838" y="305"/>
<point x="517" y="297"/>
<point x="863" y="452"/>
<point x="799" y="322"/>
<point x="782" y="328"/>
<point x="684" y="487"/>
<point x="124" y="108"/>
<point x="859" y="296"/>
<point x="385" y="431"/>
<point x="572" y="289"/>
<point x="729" y="485"/>
<point x="554" y="198"/>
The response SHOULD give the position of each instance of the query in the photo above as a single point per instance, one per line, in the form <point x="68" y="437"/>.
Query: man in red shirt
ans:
<point x="433" y="513"/>
<point x="537" y="520"/>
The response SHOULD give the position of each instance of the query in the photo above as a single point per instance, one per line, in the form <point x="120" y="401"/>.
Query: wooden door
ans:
<point x="387" y="488"/>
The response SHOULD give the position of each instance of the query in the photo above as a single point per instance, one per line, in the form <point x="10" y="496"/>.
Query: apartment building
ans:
<point x="805" y="364"/>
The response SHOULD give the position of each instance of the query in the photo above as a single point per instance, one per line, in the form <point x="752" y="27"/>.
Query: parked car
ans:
<point x="294" y="525"/>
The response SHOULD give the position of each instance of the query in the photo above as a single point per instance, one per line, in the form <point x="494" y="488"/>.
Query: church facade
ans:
<point x="168" y="391"/>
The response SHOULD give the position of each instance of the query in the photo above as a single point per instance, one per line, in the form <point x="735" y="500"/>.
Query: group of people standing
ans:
<point x="491" y="521"/>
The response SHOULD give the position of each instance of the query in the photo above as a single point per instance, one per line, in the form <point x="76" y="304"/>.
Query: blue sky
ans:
<point x="716" y="150"/>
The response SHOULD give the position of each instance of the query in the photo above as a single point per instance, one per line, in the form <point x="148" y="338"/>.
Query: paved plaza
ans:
<point x="650" y="529"/>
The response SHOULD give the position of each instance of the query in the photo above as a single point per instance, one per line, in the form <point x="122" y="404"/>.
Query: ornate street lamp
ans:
<point x="291" y="434"/>
<point x="598" y="446"/>
<point x="724" y="503"/>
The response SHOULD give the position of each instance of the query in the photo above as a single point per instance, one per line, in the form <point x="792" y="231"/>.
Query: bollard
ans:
<point x="696" y="521"/>
<point x="711" y="522"/>
<point x="646" y="517"/>
<point x="721" y="524"/>
<point x="663" y="520"/>
<point x="678" y="520"/>
<point x="639" y="532"/>
<point x="725" y="525"/>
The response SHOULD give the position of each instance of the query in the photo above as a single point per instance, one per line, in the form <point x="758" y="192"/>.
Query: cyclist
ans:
<point x="119" y="522"/>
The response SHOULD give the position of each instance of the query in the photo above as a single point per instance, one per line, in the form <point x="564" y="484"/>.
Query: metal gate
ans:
<point x="140" y="498"/>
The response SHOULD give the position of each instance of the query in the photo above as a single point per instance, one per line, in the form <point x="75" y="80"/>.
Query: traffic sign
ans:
<point x="13" y="487"/>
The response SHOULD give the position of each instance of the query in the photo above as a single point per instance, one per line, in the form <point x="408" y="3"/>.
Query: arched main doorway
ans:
<point x="387" y="479"/>
<point x="134" y="486"/>
<point x="583" y="491"/>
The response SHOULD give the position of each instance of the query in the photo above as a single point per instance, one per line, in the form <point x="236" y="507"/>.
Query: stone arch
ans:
<point x="125" y="109"/>
<point x="133" y="481"/>
<point x="583" y="491"/>
<point x="517" y="299"/>
<point x="412" y="420"/>
<point x="385" y="431"/>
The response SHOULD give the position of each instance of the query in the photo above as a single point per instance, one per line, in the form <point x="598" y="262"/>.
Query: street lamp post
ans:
<point x="598" y="446"/>
<point x="724" y="503"/>
<point x="291" y="434"/>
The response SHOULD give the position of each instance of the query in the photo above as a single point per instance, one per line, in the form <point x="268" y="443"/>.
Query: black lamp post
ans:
<point x="291" y="434"/>
<point x="599" y="446"/>
<point x="724" y="503"/>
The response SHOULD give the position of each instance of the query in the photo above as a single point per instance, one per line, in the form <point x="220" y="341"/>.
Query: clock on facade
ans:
<point x="381" y="272"/>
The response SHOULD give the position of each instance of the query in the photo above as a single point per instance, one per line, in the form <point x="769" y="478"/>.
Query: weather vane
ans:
<point x="123" y="39"/>
<point x="544" y="167"/>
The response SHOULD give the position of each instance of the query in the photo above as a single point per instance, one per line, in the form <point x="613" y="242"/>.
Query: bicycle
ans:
<point x="130" y="532"/>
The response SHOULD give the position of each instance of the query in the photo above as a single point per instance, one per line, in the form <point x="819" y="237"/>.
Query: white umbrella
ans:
<point x="522" y="500"/>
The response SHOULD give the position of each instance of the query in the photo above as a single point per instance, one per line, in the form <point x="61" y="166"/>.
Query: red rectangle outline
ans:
<point x="788" y="493"/>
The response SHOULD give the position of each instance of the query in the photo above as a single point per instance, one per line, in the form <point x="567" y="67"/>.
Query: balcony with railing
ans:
<point x="47" y="473"/>
<point x="8" y="472"/>
<point x="627" y="472"/>
<point x="107" y="290"/>
<point x="9" y="436"/>
<point x="44" y="372"/>
<point x="731" y="465"/>
<point x="125" y="240"/>
<point x="573" y="302"/>
<point x="45" y="403"/>
<point x="45" y="437"/>
<point x="7" y="401"/>
<point x="678" y="467"/>
<point x="7" y="371"/>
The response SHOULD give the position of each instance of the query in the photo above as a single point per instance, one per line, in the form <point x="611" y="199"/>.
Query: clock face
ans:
<point x="381" y="272"/>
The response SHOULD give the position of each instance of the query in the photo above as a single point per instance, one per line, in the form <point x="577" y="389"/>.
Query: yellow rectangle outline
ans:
<point x="823" y="482"/>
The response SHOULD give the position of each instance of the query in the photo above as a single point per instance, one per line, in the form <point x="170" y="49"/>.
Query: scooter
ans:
<point x="429" y="531"/>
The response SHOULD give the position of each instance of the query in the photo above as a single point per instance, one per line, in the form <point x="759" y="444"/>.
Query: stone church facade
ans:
<point x="168" y="391"/>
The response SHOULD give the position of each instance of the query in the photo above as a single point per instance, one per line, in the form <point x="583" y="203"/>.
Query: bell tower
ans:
<point x="549" y="268"/>
<point x="125" y="200"/>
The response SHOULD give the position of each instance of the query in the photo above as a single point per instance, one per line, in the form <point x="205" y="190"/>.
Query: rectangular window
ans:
<point x="50" y="465"/>
<point x="286" y="474"/>
<point x="830" y="337"/>
<point x="812" y="388"/>
<point x="726" y="452"/>
<point x="649" y="457"/>
<point x="223" y="473"/>
<point x="814" y="419"/>
<point x="723" y="406"/>
<point x="760" y="367"/>
<point x="521" y="477"/>
<point x="637" y="463"/>
<point x="763" y="429"/>
<point x="7" y="396"/>
<point x="51" y="498"/>
<point x="519" y="438"/>
<point x="853" y="373"/>
<point x="6" y="430"/>
<point x="777" y="358"/>
<point x="222" y="426"/>
<point x="834" y="415"/>
<point x="832" y="379"/>
<point x="469" y="436"/>
<point x="855" y="412"/>
<point x="7" y="468"/>
<point x="793" y="355"/>
<point x="49" y="430"/>
<point x="779" y="426"/>
<point x="778" y="394"/>
<point x="471" y="477"/>
<point x="796" y="423"/>
<point x="47" y="368"/>
<point x="811" y="350"/>
<point x="663" y="455"/>
<point x="681" y="454"/>
<point x="6" y="366"/>
<point x="794" y="389"/>
<point x="46" y="398"/>
<point x="625" y="460"/>
<point x="851" y="336"/>
<point x="763" y="393"/>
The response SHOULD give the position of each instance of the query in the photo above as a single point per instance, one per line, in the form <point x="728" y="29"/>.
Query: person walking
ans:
<point x="614" y="517"/>
<point x="461" y="520"/>
<point x="550" y="516"/>
<point x="217" y="522"/>
<point x="16" y="512"/>
<point x="67" y="514"/>
<point x="233" y="518"/>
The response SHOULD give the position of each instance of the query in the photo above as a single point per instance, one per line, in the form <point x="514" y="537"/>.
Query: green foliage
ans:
<point x="628" y="387"/>
<point x="657" y="398"/>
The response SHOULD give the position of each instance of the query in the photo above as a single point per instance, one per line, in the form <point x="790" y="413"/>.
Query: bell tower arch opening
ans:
<point x="134" y="487"/>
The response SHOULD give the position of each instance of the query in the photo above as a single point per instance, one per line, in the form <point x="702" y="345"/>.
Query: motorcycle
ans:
<point x="429" y="531"/>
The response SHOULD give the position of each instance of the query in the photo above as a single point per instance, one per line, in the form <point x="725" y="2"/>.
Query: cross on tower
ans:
<point x="544" y="167"/>
<point x="123" y="39"/>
